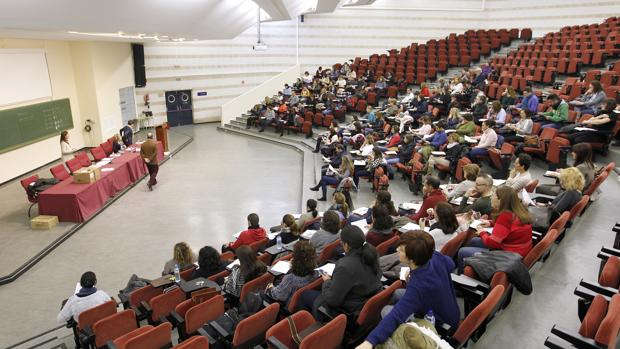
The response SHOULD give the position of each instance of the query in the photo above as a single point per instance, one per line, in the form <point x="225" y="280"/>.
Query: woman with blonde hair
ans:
<point x="182" y="256"/>
<point x="340" y="205"/>
<point x="454" y="117"/>
<point x="571" y="184"/>
<point x="368" y="145"/>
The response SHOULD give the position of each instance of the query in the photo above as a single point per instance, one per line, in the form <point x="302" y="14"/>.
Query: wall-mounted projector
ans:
<point x="260" y="46"/>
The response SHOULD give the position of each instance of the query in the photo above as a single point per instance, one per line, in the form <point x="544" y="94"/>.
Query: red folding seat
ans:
<point x="84" y="159"/>
<point x="318" y="119"/>
<point x="73" y="164"/>
<point x="546" y="136"/>
<point x="392" y="92"/>
<point x="146" y="337"/>
<point x="609" y="78"/>
<point x="32" y="198"/>
<point x="114" y="326"/>
<point x="328" y="336"/>
<point x="361" y="106"/>
<point x="137" y="296"/>
<point x="97" y="153"/>
<point x="327" y="120"/>
<point x="60" y="172"/>
<point x="328" y="252"/>
<point x="553" y="152"/>
<point x="371" y="98"/>
<point x="196" y="342"/>
<point x="258" y="284"/>
<point x="87" y="318"/>
<point x="107" y="147"/>
<point x="162" y="305"/>
<point x="190" y="316"/>
<point x="253" y="328"/>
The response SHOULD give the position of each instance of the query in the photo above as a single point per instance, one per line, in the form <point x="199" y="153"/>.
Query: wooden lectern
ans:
<point x="161" y="132"/>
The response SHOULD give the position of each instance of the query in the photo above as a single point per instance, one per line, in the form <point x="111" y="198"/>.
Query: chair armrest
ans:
<point x="587" y="294"/>
<point x="574" y="338"/>
<point x="220" y="330"/>
<point x="604" y="291"/>
<point x="163" y="319"/>
<point x="323" y="310"/>
<point x="554" y="343"/>
<point x="443" y="329"/>
<point x="87" y="335"/>
<point x="203" y="332"/>
<point x="610" y="251"/>
<point x="176" y="319"/>
<point x="146" y="306"/>
<point x="273" y="341"/>
<point x="110" y="345"/>
<point x="466" y="281"/>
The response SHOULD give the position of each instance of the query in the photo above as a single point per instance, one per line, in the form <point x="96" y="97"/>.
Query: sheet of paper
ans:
<point x="281" y="267"/>
<point x="297" y="215"/>
<point x="404" y="273"/>
<point x="381" y="141"/>
<point x="327" y="269"/>
<point x="354" y="151"/>
<point x="439" y="153"/>
<point x="308" y="234"/>
<point x="525" y="197"/>
<point x="411" y="226"/>
<point x="360" y="211"/>
<point x="498" y="182"/>
<point x="450" y="131"/>
<point x="109" y="169"/>
<point x="411" y="206"/>
<point x="470" y="140"/>
<point x="359" y="163"/>
<point x="362" y="224"/>
<point x="77" y="288"/>
<point x="346" y="133"/>
<point x="272" y="236"/>
<point x="475" y="224"/>
<point x="390" y="152"/>
<point x="231" y="265"/>
<point x="551" y="174"/>
<point x="584" y="129"/>
<point x="332" y="169"/>
<point x="236" y="235"/>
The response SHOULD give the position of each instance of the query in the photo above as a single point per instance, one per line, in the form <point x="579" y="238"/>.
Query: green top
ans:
<point x="466" y="129"/>
<point x="482" y="205"/>
<point x="558" y="115"/>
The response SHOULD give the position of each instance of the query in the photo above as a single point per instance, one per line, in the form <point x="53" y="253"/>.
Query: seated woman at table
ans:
<point x="116" y="144"/>
<point x="512" y="227"/>
<point x="209" y="263"/>
<point x="355" y="279"/>
<point x="443" y="224"/>
<point x="87" y="297"/>
<point x="329" y="232"/>
<point x="470" y="173"/>
<point x="301" y="273"/>
<point x="487" y="140"/>
<point x="182" y="256"/>
<point x="571" y="183"/>
<point x="429" y="287"/>
<point x="253" y="234"/>
<point x="310" y="214"/>
<point x="248" y="269"/>
<point x="333" y="178"/>
<point x="515" y="132"/>
<point x="382" y="227"/>
<point x="383" y="198"/>
<point x="340" y="205"/>
<point x="374" y="160"/>
<point x="434" y="142"/>
<point x="289" y="231"/>
<point x="497" y="113"/>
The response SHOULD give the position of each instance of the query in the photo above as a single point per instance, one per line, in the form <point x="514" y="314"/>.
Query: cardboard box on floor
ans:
<point x="87" y="175"/>
<point x="44" y="222"/>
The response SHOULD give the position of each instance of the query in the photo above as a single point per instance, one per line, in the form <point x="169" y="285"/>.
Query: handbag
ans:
<point x="540" y="215"/>
<point x="298" y="337"/>
<point x="531" y="141"/>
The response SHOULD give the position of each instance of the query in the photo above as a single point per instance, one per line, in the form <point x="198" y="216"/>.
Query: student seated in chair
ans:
<point x="87" y="297"/>
<point x="254" y="233"/>
<point x="301" y="274"/>
<point x="429" y="288"/>
<point x="355" y="279"/>
<point x="329" y="232"/>
<point x="182" y="256"/>
<point x="209" y="263"/>
<point x="248" y="269"/>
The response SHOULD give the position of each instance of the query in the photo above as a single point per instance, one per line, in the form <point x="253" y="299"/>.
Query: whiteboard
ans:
<point x="24" y="76"/>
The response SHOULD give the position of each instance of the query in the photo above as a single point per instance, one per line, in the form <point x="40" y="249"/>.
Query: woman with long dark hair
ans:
<point x="355" y="279"/>
<point x="382" y="228"/>
<point x="302" y="272"/>
<point x="445" y="225"/>
<point x="209" y="263"/>
<point x="248" y="269"/>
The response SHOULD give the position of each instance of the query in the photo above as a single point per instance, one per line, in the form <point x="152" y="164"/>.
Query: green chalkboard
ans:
<point x="25" y="125"/>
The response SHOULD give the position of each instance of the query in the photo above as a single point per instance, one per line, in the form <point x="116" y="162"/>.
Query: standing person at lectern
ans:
<point x="148" y="151"/>
<point x="127" y="133"/>
<point x="65" y="148"/>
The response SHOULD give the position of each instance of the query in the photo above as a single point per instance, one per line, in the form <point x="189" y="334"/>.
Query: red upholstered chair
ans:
<point x="371" y="98"/>
<point x="610" y="273"/>
<point x="541" y="248"/>
<point x="360" y="107"/>
<point x="98" y="153"/>
<point x="142" y="294"/>
<point x="253" y="328"/>
<point x="476" y="317"/>
<point x="114" y="326"/>
<point x="84" y="159"/>
<point x="265" y="258"/>
<point x="162" y="305"/>
<point x="88" y="317"/>
<point x="146" y="337"/>
<point x="554" y="149"/>
<point x="610" y="167"/>
<point x="327" y="120"/>
<point x="287" y="257"/>
<point x="196" y="342"/>
<point x="310" y="222"/>
<point x="328" y="252"/>
<point x="329" y="336"/>
<point x="33" y="199"/>
<point x="385" y="245"/>
<point x="60" y="172"/>
<point x="187" y="273"/>
<point x="258" y="284"/>
<point x="370" y="315"/>
<point x="392" y="92"/>
<point x="318" y="119"/>
<point x="546" y="136"/>
<point x="578" y="208"/>
<point x="598" y="180"/>
<point x="259" y="245"/>
<point x="292" y="303"/>
<point x="107" y="147"/>
<point x="531" y="186"/>
<point x="190" y="320"/>
<point x="306" y="128"/>
<point x="451" y="247"/>
<point x="219" y="277"/>
<point x="599" y="328"/>
<point x="73" y="164"/>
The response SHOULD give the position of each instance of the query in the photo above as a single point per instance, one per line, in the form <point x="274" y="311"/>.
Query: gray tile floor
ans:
<point x="205" y="193"/>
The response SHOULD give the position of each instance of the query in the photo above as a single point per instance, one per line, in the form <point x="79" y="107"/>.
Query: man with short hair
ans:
<point x="529" y="102"/>
<point x="127" y="133"/>
<point x="432" y="195"/>
<point x="148" y="151"/>
<point x="286" y="92"/>
<point x="520" y="175"/>
<point x="87" y="297"/>
<point x="559" y="113"/>
<point x="482" y="191"/>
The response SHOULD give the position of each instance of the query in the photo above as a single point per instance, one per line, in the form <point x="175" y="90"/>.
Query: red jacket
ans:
<point x="509" y="234"/>
<point x="394" y="141"/>
<point x="374" y="238"/>
<point x="249" y="236"/>
<point x="430" y="201"/>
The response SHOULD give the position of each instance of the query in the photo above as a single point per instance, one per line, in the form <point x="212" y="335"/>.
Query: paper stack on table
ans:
<point x="308" y="234"/>
<point x="281" y="267"/>
<point x="470" y="140"/>
<point x="327" y="269"/>
<point x="360" y="211"/>
<point x="359" y="163"/>
<point x="412" y="226"/>
<point x="362" y="224"/>
<point x="390" y="152"/>
<point x="272" y="236"/>
<point x="438" y="153"/>
<point x="410" y="206"/>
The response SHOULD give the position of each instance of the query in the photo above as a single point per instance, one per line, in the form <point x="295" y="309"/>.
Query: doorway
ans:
<point x="179" y="107"/>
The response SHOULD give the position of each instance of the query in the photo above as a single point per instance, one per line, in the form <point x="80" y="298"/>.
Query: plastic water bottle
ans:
<point x="430" y="317"/>
<point x="177" y="274"/>
<point x="279" y="242"/>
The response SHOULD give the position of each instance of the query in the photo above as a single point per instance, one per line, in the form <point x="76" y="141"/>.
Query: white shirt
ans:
<point x="519" y="181"/>
<point x="426" y="129"/>
<point x="76" y="305"/>
<point x="66" y="151"/>
<point x="367" y="149"/>
<point x="408" y="98"/>
<point x="307" y="79"/>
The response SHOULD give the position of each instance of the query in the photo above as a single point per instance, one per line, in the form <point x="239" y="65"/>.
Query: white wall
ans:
<point x="246" y="101"/>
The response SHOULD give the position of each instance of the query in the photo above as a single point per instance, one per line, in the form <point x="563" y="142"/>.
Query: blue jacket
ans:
<point x="530" y="103"/>
<point x="438" y="139"/>
<point x="429" y="288"/>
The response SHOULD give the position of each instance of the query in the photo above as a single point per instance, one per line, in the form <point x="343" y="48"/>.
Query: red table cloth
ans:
<point x="73" y="202"/>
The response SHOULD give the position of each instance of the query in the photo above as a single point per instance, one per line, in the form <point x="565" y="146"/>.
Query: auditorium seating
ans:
<point x="32" y="198"/>
<point x="329" y="336"/>
<point x="60" y="172"/>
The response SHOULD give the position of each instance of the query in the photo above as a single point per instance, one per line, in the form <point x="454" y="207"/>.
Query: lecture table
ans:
<point x="73" y="202"/>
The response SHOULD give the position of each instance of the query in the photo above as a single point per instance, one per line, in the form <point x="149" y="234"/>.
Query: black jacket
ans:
<point x="486" y="263"/>
<point x="406" y="152"/>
